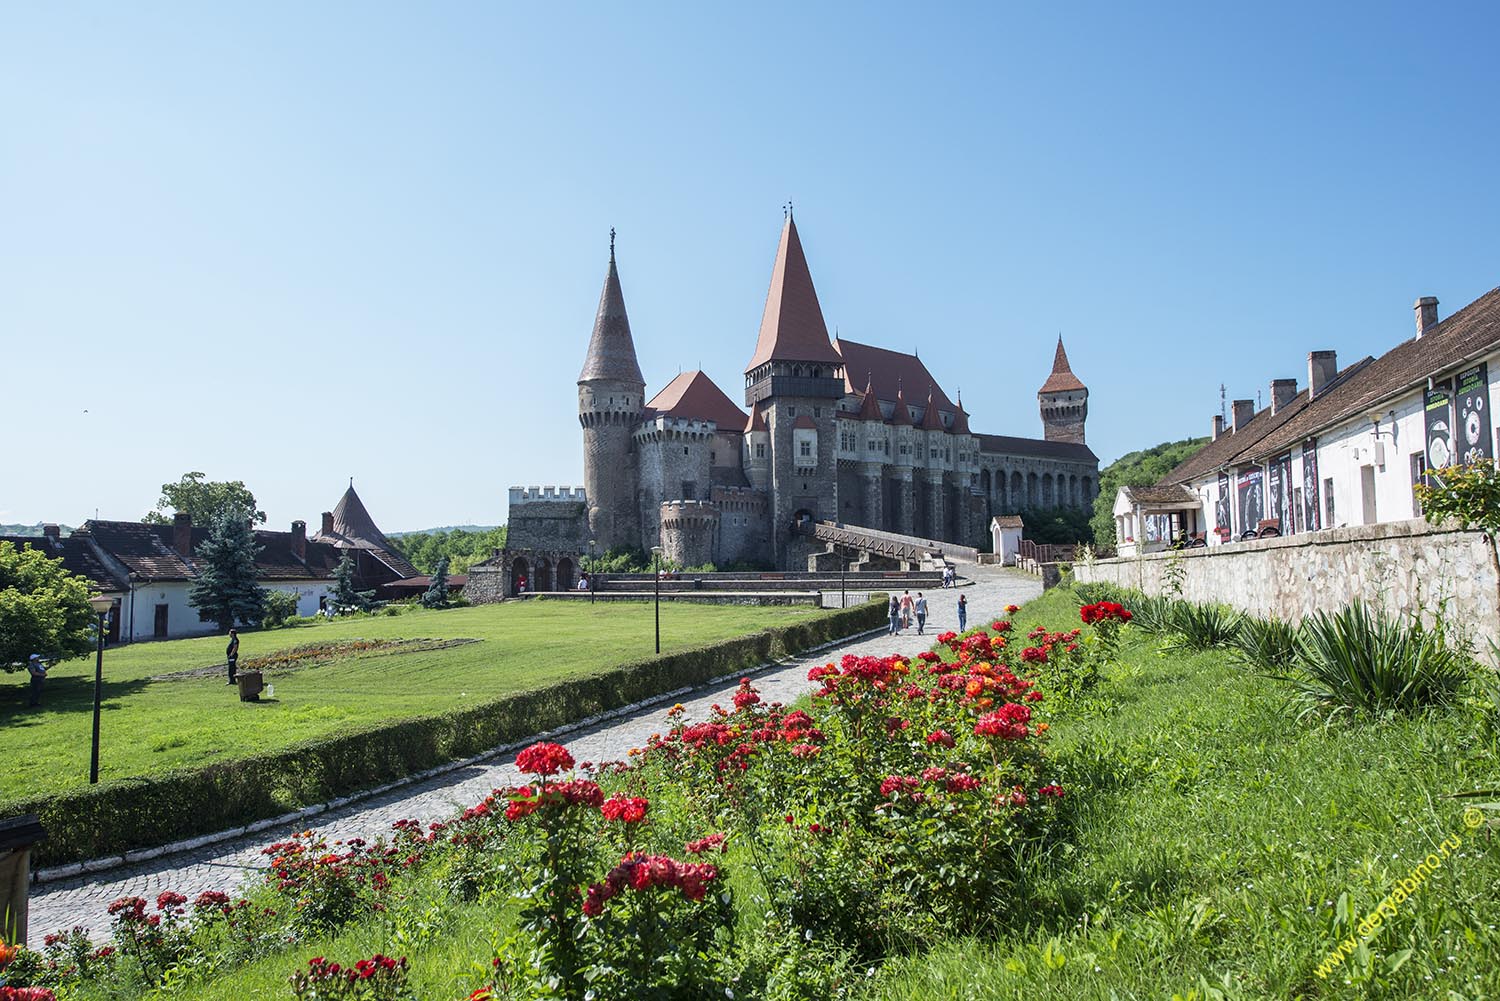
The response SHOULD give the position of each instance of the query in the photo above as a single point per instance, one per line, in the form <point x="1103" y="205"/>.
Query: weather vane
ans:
<point x="611" y="243"/>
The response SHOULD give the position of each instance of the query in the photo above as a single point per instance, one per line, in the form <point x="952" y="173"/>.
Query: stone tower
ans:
<point x="1064" y="401"/>
<point x="795" y="379"/>
<point x="611" y="394"/>
<point x="689" y="529"/>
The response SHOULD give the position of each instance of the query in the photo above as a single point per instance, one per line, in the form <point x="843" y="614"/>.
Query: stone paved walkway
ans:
<point x="229" y="864"/>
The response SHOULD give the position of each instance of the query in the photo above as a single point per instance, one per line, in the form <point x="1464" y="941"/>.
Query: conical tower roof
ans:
<point x="1062" y="379"/>
<point x="960" y="419"/>
<point x="931" y="420"/>
<point x="792" y="327"/>
<point x="869" y="407"/>
<point x="611" y="348"/>
<point x="353" y="525"/>
<point x="900" y="414"/>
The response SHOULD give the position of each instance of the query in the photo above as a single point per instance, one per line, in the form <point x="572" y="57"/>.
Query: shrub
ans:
<point x="279" y="607"/>
<point x="1153" y="613"/>
<point x="1356" y="661"/>
<point x="1266" y="645"/>
<point x="1202" y="627"/>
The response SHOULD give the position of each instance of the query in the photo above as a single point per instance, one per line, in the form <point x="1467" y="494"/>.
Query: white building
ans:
<point x="1346" y="449"/>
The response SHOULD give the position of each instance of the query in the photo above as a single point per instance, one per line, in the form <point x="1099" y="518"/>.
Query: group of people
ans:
<point x="905" y="610"/>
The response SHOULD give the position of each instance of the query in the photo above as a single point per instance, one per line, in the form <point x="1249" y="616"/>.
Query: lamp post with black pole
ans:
<point x="656" y="580"/>
<point x="101" y="606"/>
<point x="843" y="568"/>
<point x="593" y="571"/>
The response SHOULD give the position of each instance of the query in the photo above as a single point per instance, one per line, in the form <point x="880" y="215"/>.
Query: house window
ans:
<point x="760" y="450"/>
<point x="932" y="453"/>
<point x="817" y="411"/>
<point x="1418" y="467"/>
<point x="1328" y="521"/>
<point x="791" y="411"/>
<point x="805" y="447"/>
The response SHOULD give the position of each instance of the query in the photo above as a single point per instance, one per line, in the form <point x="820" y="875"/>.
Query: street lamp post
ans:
<point x="101" y="606"/>
<point x="843" y="567"/>
<point x="656" y="580"/>
<point x="593" y="572"/>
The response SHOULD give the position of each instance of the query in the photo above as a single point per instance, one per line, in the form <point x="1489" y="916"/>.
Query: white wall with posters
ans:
<point x="1369" y="466"/>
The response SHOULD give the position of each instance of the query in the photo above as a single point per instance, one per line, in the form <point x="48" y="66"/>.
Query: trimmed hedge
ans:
<point x="114" y="817"/>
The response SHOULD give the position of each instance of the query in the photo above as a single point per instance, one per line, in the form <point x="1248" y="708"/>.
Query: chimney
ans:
<point x="182" y="533"/>
<point x="1427" y="317"/>
<point x="1283" y="391"/>
<point x="51" y="532"/>
<point x="1242" y="412"/>
<point x="299" y="539"/>
<point x="327" y="523"/>
<point x="1218" y="426"/>
<point x="1322" y="366"/>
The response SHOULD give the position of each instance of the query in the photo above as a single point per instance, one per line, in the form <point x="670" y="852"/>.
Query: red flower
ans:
<point x="1012" y="609"/>
<point x="1051" y="790"/>
<point x="942" y="737"/>
<point x="169" y="898"/>
<point x="625" y="809"/>
<point x="544" y="758"/>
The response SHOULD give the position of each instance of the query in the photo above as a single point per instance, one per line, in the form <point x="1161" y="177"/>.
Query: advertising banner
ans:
<point x="1222" y="508"/>
<point x="1438" y="402"/>
<point x="1284" y="499"/>
<point x="1252" y="497"/>
<point x="1312" y="511"/>
<point x="1274" y="486"/>
<point x="1473" y="429"/>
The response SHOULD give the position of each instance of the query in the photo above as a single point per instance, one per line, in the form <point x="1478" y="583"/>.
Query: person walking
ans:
<point x="963" y="612"/>
<point x="232" y="654"/>
<point x="920" y="607"/>
<point x="895" y="613"/>
<point x="38" y="671"/>
<point x="905" y="609"/>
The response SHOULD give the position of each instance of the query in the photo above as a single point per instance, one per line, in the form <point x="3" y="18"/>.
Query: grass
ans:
<point x="1215" y="849"/>
<point x="151" y="724"/>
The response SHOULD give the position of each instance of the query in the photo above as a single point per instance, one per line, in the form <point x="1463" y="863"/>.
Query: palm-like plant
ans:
<point x="1356" y="661"/>
<point x="1203" y="627"/>
<point x="1266" y="645"/>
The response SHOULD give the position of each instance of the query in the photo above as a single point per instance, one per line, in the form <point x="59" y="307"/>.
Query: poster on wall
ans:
<point x="1311" y="512"/>
<point x="1438" y="402"/>
<point x="1221" y="509"/>
<point x="1274" y="487"/>
<point x="1250" y="491"/>
<point x="1288" y="510"/>
<point x="1473" y="430"/>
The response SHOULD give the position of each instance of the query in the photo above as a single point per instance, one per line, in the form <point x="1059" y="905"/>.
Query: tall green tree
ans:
<point x="346" y="596"/>
<point x="226" y="590"/>
<point x="204" y="499"/>
<point x="1135" y="469"/>
<point x="437" y="592"/>
<point x="43" y="608"/>
<point x="462" y="547"/>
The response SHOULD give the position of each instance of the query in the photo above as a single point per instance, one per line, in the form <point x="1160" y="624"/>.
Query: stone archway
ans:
<point x="1017" y="492"/>
<point x="520" y="576"/>
<point x="543" y="574"/>
<point x="565" y="579"/>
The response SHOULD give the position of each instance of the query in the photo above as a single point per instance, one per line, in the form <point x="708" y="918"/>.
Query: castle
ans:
<point x="836" y="430"/>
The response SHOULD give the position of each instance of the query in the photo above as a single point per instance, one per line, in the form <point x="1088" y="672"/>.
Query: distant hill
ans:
<point x="30" y="530"/>
<point x="1135" y="469"/>
<point x="444" y="528"/>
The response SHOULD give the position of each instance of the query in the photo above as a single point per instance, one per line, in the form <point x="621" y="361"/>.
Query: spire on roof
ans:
<point x="960" y="419"/>
<point x="352" y="522"/>
<point x="792" y="327"/>
<point x="757" y="420"/>
<point x="1062" y="378"/>
<point x="611" y="352"/>
<point x="899" y="413"/>
<point x="869" y="407"/>
<point x="930" y="419"/>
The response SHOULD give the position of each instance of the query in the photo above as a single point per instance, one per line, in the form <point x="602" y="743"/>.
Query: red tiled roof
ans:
<point x="693" y="396"/>
<point x="804" y="421"/>
<point x="1062" y="378"/>
<point x="78" y="558"/>
<point x="900" y="415"/>
<point x="792" y="327"/>
<point x="145" y="550"/>
<point x="757" y="421"/>
<point x="869" y="407"/>
<point x="930" y="419"/>
<point x="960" y="419"/>
<point x="887" y="371"/>
<point x="1001" y="444"/>
<point x="353" y="528"/>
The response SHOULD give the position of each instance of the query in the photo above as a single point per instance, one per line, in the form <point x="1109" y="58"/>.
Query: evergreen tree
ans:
<point x="346" y="597"/>
<point x="437" y="591"/>
<point x="225" y="590"/>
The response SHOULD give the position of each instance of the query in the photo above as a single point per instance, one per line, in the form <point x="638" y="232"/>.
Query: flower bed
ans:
<point x="115" y="817"/>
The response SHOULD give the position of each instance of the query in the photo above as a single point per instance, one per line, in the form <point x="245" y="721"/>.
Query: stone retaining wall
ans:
<point x="1407" y="566"/>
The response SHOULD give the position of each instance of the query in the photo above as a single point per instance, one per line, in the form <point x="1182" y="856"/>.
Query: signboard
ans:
<point x="1281" y="490"/>
<point x="1311" y="508"/>
<point x="1250" y="490"/>
<point x="1473" y="429"/>
<point x="1274" y="487"/>
<point x="1438" y="402"/>
<point x="1222" y="509"/>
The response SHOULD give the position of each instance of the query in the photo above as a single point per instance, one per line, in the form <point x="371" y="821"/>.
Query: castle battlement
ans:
<point x="666" y="428"/>
<point x="534" y="495"/>
<point x="740" y="499"/>
<point x="689" y="513"/>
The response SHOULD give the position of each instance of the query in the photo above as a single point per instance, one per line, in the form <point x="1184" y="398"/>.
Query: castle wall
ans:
<point x="609" y="411"/>
<point x="744" y="517"/>
<point x="689" y="531"/>
<point x="549" y="518"/>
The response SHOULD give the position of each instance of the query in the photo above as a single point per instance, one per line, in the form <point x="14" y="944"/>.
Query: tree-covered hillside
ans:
<point x="463" y="548"/>
<point x="1135" y="469"/>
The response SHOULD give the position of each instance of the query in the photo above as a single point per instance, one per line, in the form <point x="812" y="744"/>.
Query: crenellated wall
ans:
<point x="689" y="531"/>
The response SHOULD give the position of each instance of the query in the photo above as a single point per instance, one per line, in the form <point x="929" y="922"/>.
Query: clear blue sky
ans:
<point x="293" y="243"/>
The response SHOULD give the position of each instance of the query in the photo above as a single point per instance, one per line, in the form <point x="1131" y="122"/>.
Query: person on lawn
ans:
<point x="232" y="654"/>
<point x="38" y="671"/>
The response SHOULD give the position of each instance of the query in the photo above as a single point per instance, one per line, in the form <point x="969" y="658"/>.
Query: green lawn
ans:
<point x="153" y="725"/>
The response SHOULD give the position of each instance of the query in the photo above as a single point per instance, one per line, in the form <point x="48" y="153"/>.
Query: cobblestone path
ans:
<point x="228" y="865"/>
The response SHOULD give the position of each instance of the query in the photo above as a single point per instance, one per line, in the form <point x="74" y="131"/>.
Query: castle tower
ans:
<point x="1064" y="401"/>
<point x="611" y="393"/>
<point x="795" y="378"/>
